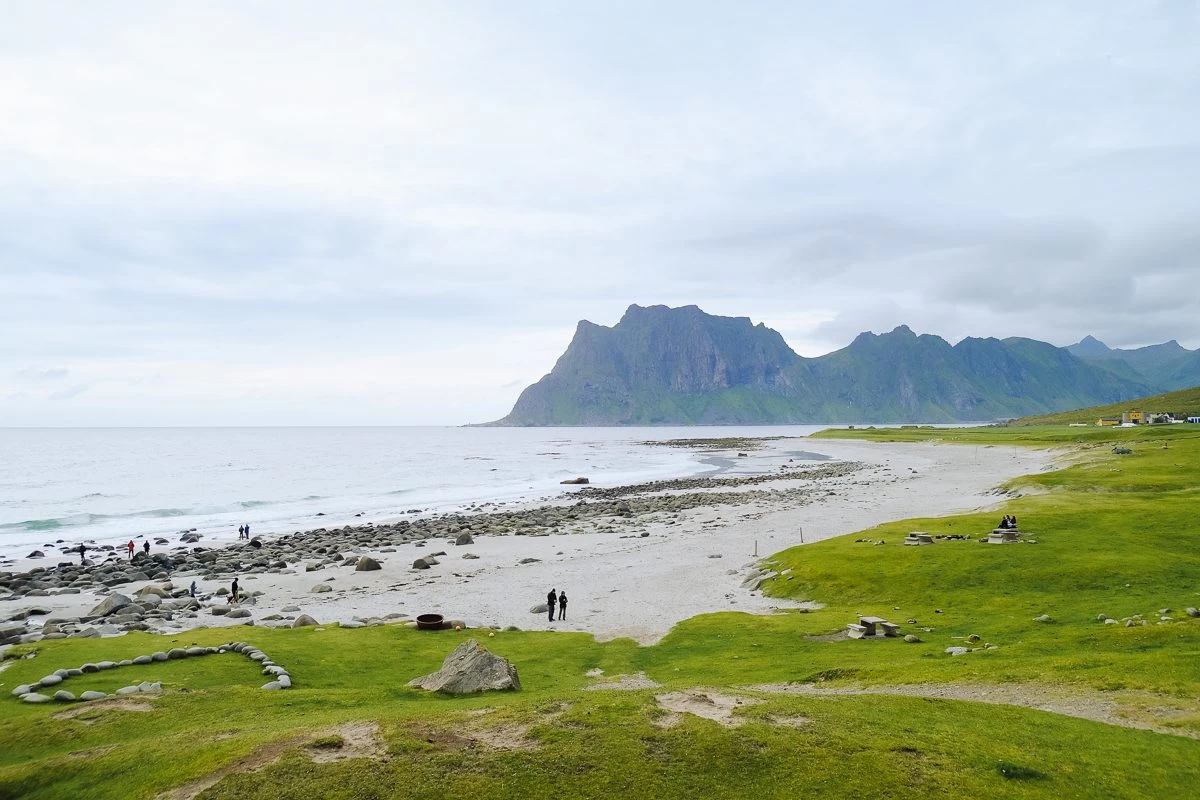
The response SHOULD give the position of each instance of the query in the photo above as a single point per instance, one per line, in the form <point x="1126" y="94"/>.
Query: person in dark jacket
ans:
<point x="233" y="590"/>
<point x="551" y="603"/>
<point x="146" y="546"/>
<point x="562" y="605"/>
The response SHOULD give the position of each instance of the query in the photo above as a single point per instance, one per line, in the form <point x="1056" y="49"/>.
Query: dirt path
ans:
<point x="1142" y="710"/>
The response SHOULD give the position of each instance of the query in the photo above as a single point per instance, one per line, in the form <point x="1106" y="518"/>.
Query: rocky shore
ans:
<point x="591" y="508"/>
<point x="636" y="558"/>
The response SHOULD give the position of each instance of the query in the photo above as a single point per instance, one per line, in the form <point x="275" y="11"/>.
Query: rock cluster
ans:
<point x="281" y="679"/>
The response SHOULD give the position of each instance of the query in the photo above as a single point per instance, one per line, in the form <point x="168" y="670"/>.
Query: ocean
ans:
<point x="108" y="485"/>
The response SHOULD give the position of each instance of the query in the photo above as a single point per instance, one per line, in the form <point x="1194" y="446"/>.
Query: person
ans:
<point x="233" y="590"/>
<point x="551" y="603"/>
<point x="130" y="546"/>
<point x="146" y="546"/>
<point x="192" y="590"/>
<point x="562" y="604"/>
<point x="82" y="550"/>
<point x="241" y="531"/>
<point x="1012" y="522"/>
<point x="247" y="530"/>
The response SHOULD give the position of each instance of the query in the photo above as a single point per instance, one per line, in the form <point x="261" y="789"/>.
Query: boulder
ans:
<point x="114" y="602"/>
<point x="220" y="610"/>
<point x="321" y="588"/>
<point x="575" y="481"/>
<point x="1192" y="612"/>
<point x="470" y="669"/>
<point x="366" y="564"/>
<point x="23" y="689"/>
<point x="422" y="563"/>
<point x="93" y="696"/>
<point x="470" y="556"/>
<point x="304" y="621"/>
<point x="238" y="613"/>
<point x="540" y="608"/>
<point x="464" y="538"/>
<point x="63" y="696"/>
<point x="34" y="697"/>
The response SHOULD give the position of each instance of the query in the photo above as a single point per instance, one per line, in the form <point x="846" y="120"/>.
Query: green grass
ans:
<point x="1182" y="403"/>
<point x="1116" y="535"/>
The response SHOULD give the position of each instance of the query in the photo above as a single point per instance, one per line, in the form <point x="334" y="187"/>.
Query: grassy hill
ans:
<point x="1115" y="536"/>
<point x="1181" y="403"/>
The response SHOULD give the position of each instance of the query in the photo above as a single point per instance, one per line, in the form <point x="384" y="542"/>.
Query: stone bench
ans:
<point x="890" y="628"/>
<point x="856" y="631"/>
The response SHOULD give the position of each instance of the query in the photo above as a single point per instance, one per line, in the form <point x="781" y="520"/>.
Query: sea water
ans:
<point x="109" y="485"/>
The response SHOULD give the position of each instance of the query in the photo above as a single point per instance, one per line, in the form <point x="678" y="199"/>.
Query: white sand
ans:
<point x="638" y="587"/>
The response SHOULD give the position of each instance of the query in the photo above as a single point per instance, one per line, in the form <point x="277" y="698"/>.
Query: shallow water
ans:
<point x="112" y="484"/>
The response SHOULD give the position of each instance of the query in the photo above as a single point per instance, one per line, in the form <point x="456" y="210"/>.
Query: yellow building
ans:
<point x="1134" y="417"/>
<point x="1107" y="422"/>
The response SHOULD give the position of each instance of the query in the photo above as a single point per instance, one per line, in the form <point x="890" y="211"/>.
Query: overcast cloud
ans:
<point x="395" y="213"/>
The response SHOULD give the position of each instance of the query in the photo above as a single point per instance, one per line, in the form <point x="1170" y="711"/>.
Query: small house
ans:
<point x="1107" y="422"/>
<point x="1132" y="418"/>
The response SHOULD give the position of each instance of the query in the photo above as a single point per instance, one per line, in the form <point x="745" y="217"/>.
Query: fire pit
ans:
<point x="430" y="622"/>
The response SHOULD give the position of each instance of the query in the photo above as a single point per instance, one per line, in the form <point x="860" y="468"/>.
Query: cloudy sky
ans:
<point x="395" y="213"/>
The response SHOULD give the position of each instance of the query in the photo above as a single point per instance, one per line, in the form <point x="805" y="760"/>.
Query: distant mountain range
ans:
<point x="681" y="366"/>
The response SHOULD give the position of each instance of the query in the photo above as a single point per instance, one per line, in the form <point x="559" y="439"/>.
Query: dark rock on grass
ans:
<point x="304" y="621"/>
<point x="470" y="669"/>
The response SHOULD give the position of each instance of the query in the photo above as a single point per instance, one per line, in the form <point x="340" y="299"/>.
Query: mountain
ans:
<point x="1165" y="366"/>
<point x="661" y="365"/>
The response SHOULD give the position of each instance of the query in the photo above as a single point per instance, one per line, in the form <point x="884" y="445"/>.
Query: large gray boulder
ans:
<point x="366" y="564"/>
<point x="304" y="621"/>
<point x="470" y="669"/>
<point x="114" y="602"/>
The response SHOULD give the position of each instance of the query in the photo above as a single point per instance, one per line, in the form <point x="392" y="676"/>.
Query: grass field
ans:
<point x="1116" y="536"/>
<point x="1182" y="403"/>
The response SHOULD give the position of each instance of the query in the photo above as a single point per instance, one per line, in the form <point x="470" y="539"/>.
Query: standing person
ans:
<point x="233" y="590"/>
<point x="241" y="531"/>
<point x="192" y="590"/>
<point x="130" y="546"/>
<point x="551" y="602"/>
<point x="247" y="530"/>
<point x="146" y="546"/>
<point x="82" y="550"/>
<point x="562" y="604"/>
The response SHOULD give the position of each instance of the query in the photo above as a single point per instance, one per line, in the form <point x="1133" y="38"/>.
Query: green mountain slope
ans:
<point x="1183" y="403"/>
<point x="662" y="365"/>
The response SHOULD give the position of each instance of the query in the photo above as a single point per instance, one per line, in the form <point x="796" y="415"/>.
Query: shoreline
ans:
<point x="635" y="560"/>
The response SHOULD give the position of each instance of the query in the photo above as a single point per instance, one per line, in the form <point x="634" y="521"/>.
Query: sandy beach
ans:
<point x="632" y="576"/>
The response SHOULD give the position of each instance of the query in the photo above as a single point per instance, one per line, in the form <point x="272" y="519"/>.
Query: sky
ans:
<point x="393" y="213"/>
